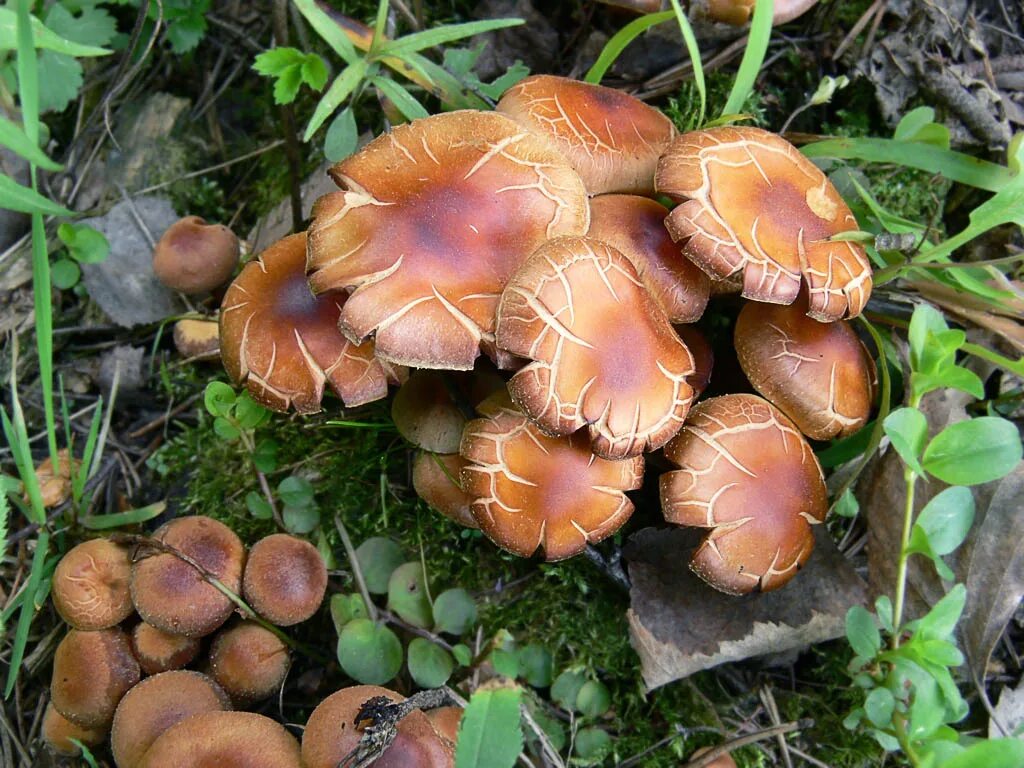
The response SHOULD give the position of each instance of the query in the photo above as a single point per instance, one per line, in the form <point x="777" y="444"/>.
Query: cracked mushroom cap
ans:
<point x="531" y="491"/>
<point x="91" y="672"/>
<point x="818" y="374"/>
<point x="754" y="205"/>
<point x="434" y="218"/>
<point x="750" y="478"/>
<point x="332" y="733"/>
<point x="155" y="705"/>
<point x="284" y="343"/>
<point x="436" y="480"/>
<point x="635" y="226"/>
<point x="611" y="138"/>
<point x="285" y="579"/>
<point x="171" y="594"/>
<point x="224" y="740"/>
<point x="703" y="357"/>
<point x="159" y="651"/>
<point x="194" y="257"/>
<point x="604" y="355"/>
<point x="90" y="585"/>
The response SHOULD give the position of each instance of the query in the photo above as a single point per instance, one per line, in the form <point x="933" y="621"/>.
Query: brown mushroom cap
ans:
<point x="426" y="415"/>
<point x="91" y="672"/>
<point x="90" y="585"/>
<point x="635" y="226"/>
<point x="436" y="480"/>
<point x="331" y="734"/>
<point x="57" y="732"/>
<point x="612" y="139"/>
<point x="55" y="487"/>
<point x="285" y="579"/>
<point x="738" y="12"/>
<point x="703" y="358"/>
<point x="197" y="339"/>
<point x="224" y="740"/>
<point x="446" y="721"/>
<point x="749" y="476"/>
<point x="155" y="705"/>
<point x="172" y="595"/>
<point x="194" y="257"/>
<point x="436" y="216"/>
<point x="531" y="490"/>
<point x="284" y="343"/>
<point x="818" y="374"/>
<point x="722" y="761"/>
<point x="605" y="356"/>
<point x="159" y="651"/>
<point x="754" y="204"/>
<point x="249" y="662"/>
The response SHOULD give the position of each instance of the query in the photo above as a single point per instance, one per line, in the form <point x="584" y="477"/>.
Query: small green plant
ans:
<point x="83" y="245"/>
<point x="905" y="667"/>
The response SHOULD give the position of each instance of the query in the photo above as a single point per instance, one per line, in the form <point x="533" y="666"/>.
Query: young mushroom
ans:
<point x="249" y="662"/>
<point x="531" y="491"/>
<point x="332" y="733"/>
<point x="436" y="480"/>
<point x="91" y="672"/>
<point x="90" y="585"/>
<point x="285" y="579"/>
<point x="604" y="355"/>
<point x="612" y="139"/>
<point x="818" y="374"/>
<point x="749" y="477"/>
<point x="159" y="651"/>
<point x="224" y="740"/>
<point x="57" y="731"/>
<point x="434" y="218"/>
<point x="283" y="342"/>
<point x="197" y="339"/>
<point x="195" y="257"/>
<point x="753" y="205"/>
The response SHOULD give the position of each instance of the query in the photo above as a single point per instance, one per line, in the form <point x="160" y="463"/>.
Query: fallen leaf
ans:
<point x="679" y="625"/>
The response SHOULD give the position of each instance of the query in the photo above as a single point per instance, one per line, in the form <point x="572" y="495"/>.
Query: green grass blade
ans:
<point x="5" y="513"/>
<point x="119" y="519"/>
<point x="955" y="166"/>
<point x="342" y="87"/>
<point x="401" y="98"/>
<point x="694" y="51"/>
<point x="328" y="29"/>
<point x="449" y="33"/>
<point x="753" y="57"/>
<point x="379" y="26"/>
<point x="28" y="611"/>
<point x="15" y="139"/>
<point x="618" y="42"/>
<point x="444" y="84"/>
<point x="17" y="438"/>
<point x="15" y="197"/>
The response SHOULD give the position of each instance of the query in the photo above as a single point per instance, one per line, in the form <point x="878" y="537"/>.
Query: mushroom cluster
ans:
<point x="125" y="675"/>
<point x="517" y="262"/>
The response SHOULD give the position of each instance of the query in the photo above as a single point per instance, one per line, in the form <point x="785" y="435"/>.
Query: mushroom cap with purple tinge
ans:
<point x="194" y="257"/>
<point x="224" y="740"/>
<point x="436" y="480"/>
<point x="285" y="579"/>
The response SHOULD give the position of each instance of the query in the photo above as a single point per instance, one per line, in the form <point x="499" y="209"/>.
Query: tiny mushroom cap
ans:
<point x="249" y="662"/>
<point x="738" y="12"/>
<point x="224" y="740"/>
<point x="195" y="257"/>
<point x="332" y="733"/>
<point x="283" y="342"/>
<point x="155" y="705"/>
<point x="533" y="491"/>
<point x="612" y="139"/>
<point x="91" y="672"/>
<point x="703" y="358"/>
<point x="434" y="218"/>
<point x="91" y="585"/>
<point x="436" y="480"/>
<point x="426" y="415"/>
<point x="818" y="374"/>
<point x="159" y="651"/>
<point x="171" y="594"/>
<point x="754" y="205"/>
<point x="285" y="579"/>
<point x="197" y="339"/>
<point x="57" y="732"/>
<point x="749" y="476"/>
<point x="635" y="226"/>
<point x="605" y="356"/>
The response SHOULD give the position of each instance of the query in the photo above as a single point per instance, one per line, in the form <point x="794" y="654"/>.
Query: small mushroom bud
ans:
<point x="195" y="257"/>
<point x="57" y="732"/>
<point x="90" y="585"/>
<point x="225" y="740"/>
<point x="285" y="579"/>
<point x="91" y="672"/>
<point x="197" y="339"/>
<point x="249" y="662"/>
<point x="159" y="651"/>
<point x="435" y="478"/>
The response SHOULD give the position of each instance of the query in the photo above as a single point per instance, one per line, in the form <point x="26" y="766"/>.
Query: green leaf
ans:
<point x="225" y="429"/>
<point x="314" y="72"/>
<point x="342" y="136"/>
<point x="505" y="662"/>
<point x="454" y="612"/>
<point x="566" y="689"/>
<point x="342" y="87"/>
<point x="264" y="458"/>
<point x="879" y="706"/>
<point x="258" y="506"/>
<point x="43" y="37"/>
<point x="300" y="520"/>
<point x="430" y="665"/>
<point x="990" y="753"/>
<point x="378" y="558"/>
<point x="883" y="609"/>
<point x="618" y="42"/>
<point x="276" y="61"/>
<point x="64" y="274"/>
<point x="92" y="25"/>
<point x="448" y="33"/>
<point x="369" y="653"/>
<point x="972" y="452"/>
<point x="463" y="655"/>
<point x="85" y="244"/>
<point x="15" y="197"/>
<point x="535" y="665"/>
<point x="60" y="80"/>
<point x="286" y="87"/>
<point x="248" y="412"/>
<point x="185" y="31"/>
<point x="847" y="505"/>
<point x="401" y="98"/>
<point x="14" y="138"/>
<point x="218" y="398"/>
<point x="941" y="620"/>
<point x="593" y="699"/>
<point x="919" y="125"/>
<point x="128" y="517"/>
<point x="328" y="29"/>
<point x="753" y="57"/>
<point x="693" y="49"/>
<point x="490" y="734"/>
<point x="346" y="608"/>
<point x="827" y="89"/>
<point x="946" y="520"/>
<point x="907" y="429"/>
<point x="296" y="491"/>
<point x="925" y="320"/>
<point x="407" y="595"/>
<point x="862" y="633"/>
<point x="592" y="744"/>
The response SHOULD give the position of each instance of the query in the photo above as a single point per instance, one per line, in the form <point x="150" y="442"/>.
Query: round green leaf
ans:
<point x="64" y="274"/>
<point x="296" y="491"/>
<point x="535" y="665"/>
<point x="300" y="520"/>
<point x="218" y="398"/>
<point x="342" y="136"/>
<point x="973" y="452"/>
<point x="249" y="413"/>
<point x="879" y="706"/>
<point x="258" y="506"/>
<point x="265" y="455"/>
<point x="454" y="612"/>
<point x="346" y="608"/>
<point x="505" y="663"/>
<point x="946" y="519"/>
<point x="225" y="429"/>
<point x="462" y="654"/>
<point x="378" y="557"/>
<point x="593" y="699"/>
<point x="566" y="689"/>
<point x="592" y="743"/>
<point x="369" y="653"/>
<point x="407" y="595"/>
<point x="430" y="665"/>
